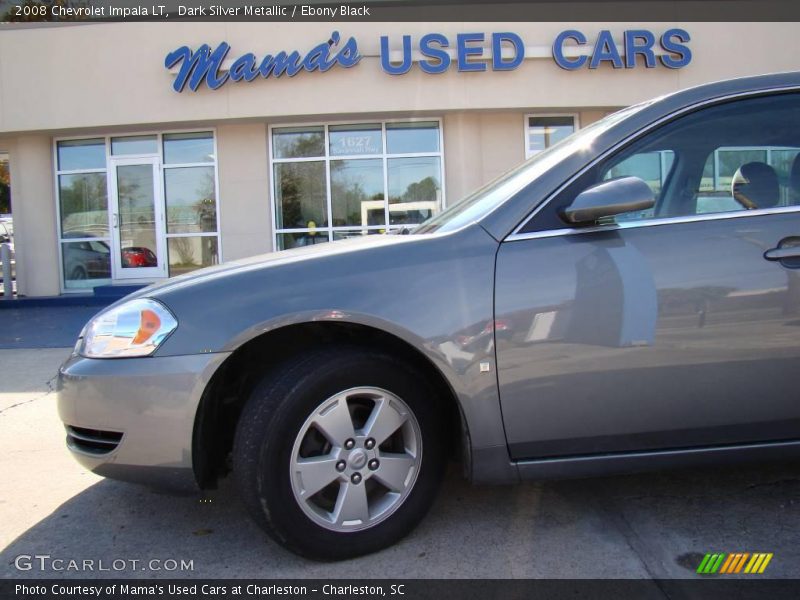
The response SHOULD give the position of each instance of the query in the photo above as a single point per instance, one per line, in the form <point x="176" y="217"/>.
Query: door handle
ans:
<point x="115" y="220"/>
<point x="787" y="249"/>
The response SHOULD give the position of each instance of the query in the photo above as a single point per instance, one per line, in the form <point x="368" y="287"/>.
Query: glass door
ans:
<point x="137" y="219"/>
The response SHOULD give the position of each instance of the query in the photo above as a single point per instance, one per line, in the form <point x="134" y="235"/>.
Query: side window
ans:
<point x="735" y="156"/>
<point x="652" y="167"/>
<point x="716" y="195"/>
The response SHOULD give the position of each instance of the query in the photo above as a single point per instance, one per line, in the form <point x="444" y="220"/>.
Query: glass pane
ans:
<point x="191" y="199"/>
<point x="782" y="161"/>
<point x="405" y="138"/>
<point x="84" y="205"/>
<point x="415" y="189"/>
<point x="184" y="148"/>
<point x="86" y="264"/>
<point x="137" y="221"/>
<point x="82" y="154"/>
<point x="190" y="253"/>
<point x="715" y="194"/>
<point x="731" y="160"/>
<point x="543" y="132"/>
<point x="650" y="167"/>
<point x="357" y="192"/>
<point x="344" y="235"/>
<point x="287" y="241"/>
<point x="298" y="142"/>
<point x="5" y="185"/>
<point x="300" y="195"/>
<point x="349" y="140"/>
<point x="134" y="144"/>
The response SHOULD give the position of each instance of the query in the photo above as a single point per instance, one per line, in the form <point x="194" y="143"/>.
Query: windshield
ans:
<point x="493" y="194"/>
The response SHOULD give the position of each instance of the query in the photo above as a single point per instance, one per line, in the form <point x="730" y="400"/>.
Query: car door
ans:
<point x="675" y="327"/>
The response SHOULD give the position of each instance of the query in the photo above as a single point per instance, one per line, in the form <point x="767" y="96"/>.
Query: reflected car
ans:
<point x="86" y="259"/>
<point x="138" y="256"/>
<point x="586" y="313"/>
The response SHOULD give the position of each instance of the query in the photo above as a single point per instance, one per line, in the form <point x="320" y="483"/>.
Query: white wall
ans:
<point x="107" y="74"/>
<point x="245" y="219"/>
<point x="35" y="232"/>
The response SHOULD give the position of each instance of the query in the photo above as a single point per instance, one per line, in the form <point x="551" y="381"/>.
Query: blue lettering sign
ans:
<point x="605" y="50"/>
<point x="386" y="64"/>
<point x="637" y="42"/>
<point x="204" y="64"/>
<point x="441" y="61"/>
<point x="683" y="54"/>
<point x="464" y="51"/>
<point x="437" y="54"/>
<point x="633" y="48"/>
<point x="570" y="64"/>
<point x="498" y="64"/>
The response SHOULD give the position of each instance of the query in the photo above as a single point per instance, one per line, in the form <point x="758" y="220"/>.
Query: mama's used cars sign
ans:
<point x="435" y="53"/>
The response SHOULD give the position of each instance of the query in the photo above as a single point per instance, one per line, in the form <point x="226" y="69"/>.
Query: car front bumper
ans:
<point x="133" y="418"/>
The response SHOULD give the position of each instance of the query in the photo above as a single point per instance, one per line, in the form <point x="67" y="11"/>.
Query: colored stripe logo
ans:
<point x="736" y="562"/>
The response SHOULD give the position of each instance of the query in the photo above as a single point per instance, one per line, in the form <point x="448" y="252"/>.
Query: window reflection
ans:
<point x="298" y="142"/>
<point x="411" y="138"/>
<point x="320" y="192"/>
<point x="82" y="154"/>
<point x="84" y="205"/>
<point x="546" y="131"/>
<point x="187" y="253"/>
<point x="187" y="148"/>
<point x="85" y="263"/>
<point x="357" y="192"/>
<point x="287" y="241"/>
<point x="134" y="144"/>
<point x="301" y="195"/>
<point x="351" y="140"/>
<point x="414" y="189"/>
<point x="191" y="199"/>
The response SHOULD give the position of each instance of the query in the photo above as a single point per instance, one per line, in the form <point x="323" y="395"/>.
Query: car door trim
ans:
<point x="739" y="214"/>
<point x="631" y="138"/>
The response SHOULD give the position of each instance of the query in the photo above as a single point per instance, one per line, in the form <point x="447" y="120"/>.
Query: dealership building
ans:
<point x="139" y="151"/>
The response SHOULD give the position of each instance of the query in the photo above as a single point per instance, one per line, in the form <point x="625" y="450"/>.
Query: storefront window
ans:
<point x="544" y="131"/>
<point x="191" y="199"/>
<point x="82" y="154"/>
<point x="188" y="148"/>
<point x="187" y="253"/>
<point x="337" y="181"/>
<point x="138" y="207"/>
<point x="134" y="144"/>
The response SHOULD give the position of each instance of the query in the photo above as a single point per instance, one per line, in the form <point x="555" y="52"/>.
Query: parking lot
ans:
<point x="637" y="526"/>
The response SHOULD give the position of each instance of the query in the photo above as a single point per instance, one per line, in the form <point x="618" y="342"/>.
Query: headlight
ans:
<point x="135" y="328"/>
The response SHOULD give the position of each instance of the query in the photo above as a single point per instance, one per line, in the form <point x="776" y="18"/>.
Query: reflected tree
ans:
<point x="5" y="188"/>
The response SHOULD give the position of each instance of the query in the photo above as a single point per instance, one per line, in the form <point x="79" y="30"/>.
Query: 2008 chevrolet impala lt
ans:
<point x="627" y="299"/>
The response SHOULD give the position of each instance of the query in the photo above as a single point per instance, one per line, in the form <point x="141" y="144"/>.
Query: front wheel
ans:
<point x="341" y="453"/>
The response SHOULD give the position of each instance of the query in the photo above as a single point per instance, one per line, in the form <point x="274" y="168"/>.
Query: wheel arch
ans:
<point x="257" y="352"/>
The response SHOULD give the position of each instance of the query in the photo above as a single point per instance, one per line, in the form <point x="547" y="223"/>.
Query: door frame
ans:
<point x="118" y="272"/>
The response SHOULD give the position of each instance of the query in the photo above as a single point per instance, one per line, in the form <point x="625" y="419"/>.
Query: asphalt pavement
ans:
<point x="657" y="525"/>
<point x="43" y="326"/>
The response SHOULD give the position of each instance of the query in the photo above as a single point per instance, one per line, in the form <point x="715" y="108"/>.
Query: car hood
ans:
<point x="273" y="260"/>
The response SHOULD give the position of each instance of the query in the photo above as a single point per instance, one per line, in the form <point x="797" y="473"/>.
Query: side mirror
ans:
<point x="609" y="198"/>
<point x="4" y="238"/>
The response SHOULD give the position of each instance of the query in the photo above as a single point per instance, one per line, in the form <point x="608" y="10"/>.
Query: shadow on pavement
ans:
<point x="43" y="327"/>
<point x="636" y="526"/>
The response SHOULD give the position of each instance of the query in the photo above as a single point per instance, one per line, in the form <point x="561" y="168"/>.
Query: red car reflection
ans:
<point x="138" y="256"/>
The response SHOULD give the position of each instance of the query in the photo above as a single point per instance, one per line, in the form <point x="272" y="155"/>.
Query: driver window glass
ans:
<point x="652" y="167"/>
<point x="693" y="163"/>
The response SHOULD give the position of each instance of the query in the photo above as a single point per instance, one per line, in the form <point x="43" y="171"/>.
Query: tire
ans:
<point x="298" y="415"/>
